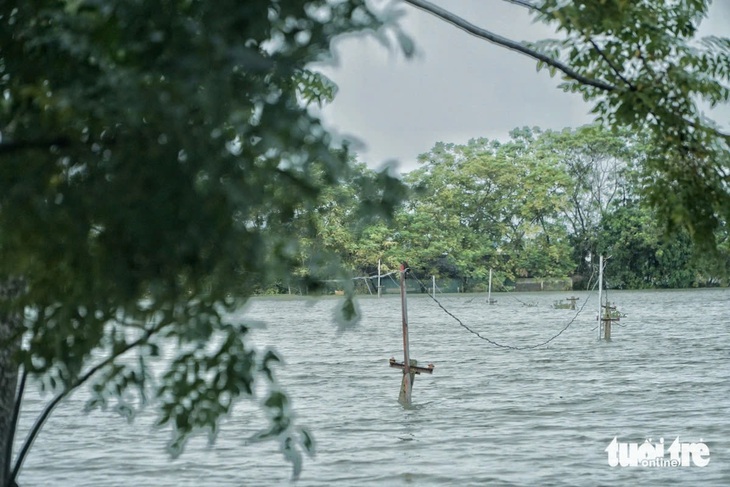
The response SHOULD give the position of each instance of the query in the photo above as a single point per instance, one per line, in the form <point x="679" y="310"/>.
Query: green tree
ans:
<point x="641" y="254"/>
<point x="714" y="269"/>
<point x="487" y="205"/>
<point x="155" y="155"/>
<point x="539" y="245"/>
<point x="599" y="165"/>
<point x="643" y="68"/>
<point x="447" y="226"/>
<point x="344" y="217"/>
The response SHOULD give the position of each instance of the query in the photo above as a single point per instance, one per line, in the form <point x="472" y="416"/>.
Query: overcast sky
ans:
<point x="457" y="87"/>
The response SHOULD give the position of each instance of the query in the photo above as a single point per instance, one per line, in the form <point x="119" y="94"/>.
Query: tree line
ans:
<point x="543" y="204"/>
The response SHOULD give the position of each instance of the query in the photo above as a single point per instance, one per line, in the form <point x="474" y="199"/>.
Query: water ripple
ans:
<point x="486" y="416"/>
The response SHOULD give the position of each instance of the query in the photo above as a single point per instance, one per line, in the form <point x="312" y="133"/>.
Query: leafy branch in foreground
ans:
<point x="33" y="433"/>
<point x="155" y="156"/>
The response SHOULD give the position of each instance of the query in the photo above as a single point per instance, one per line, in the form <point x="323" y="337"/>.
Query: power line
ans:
<point x="501" y="345"/>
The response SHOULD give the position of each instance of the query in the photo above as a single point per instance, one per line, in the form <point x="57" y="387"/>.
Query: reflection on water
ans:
<point x="487" y="416"/>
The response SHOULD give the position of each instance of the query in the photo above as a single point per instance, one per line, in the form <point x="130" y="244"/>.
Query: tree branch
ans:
<point x="13" y="425"/>
<point x="610" y="63"/>
<point x="524" y="3"/>
<point x="614" y="68"/>
<point x="489" y="36"/>
<point x="51" y="405"/>
<point x="507" y="43"/>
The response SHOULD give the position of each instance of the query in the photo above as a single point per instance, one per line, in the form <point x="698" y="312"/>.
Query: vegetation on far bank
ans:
<point x="543" y="204"/>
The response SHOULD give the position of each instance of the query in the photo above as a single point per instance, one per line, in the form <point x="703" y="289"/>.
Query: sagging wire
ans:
<point x="501" y="345"/>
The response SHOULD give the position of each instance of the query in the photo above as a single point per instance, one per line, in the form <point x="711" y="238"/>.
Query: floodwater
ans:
<point x="487" y="415"/>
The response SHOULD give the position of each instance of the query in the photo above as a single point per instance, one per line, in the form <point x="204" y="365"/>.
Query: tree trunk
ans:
<point x="9" y="344"/>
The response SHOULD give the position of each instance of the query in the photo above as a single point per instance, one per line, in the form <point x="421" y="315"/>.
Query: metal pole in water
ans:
<point x="378" y="277"/>
<point x="407" y="383"/>
<point x="600" y="290"/>
<point x="433" y="286"/>
<point x="489" y="294"/>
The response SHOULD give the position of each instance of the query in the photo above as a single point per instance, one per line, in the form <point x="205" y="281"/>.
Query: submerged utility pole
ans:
<point x="607" y="314"/>
<point x="407" y="384"/>
<point x="600" y="290"/>
<point x="378" y="277"/>
<point x="572" y="300"/>
<point x="489" y="290"/>
<point x="410" y="367"/>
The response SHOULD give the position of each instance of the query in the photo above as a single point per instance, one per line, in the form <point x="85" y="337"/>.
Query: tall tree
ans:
<point x="489" y="205"/>
<point x="344" y="216"/>
<point x="450" y="225"/>
<point x="641" y="254"/>
<point x="539" y="246"/>
<point x="154" y="156"/>
<point x="600" y="169"/>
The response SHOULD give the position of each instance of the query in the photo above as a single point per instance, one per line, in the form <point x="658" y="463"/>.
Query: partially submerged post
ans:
<point x="379" y="278"/>
<point x="410" y="367"/>
<point x="610" y="315"/>
<point x="600" y="290"/>
<point x="606" y="321"/>
<point x="572" y="301"/>
<point x="489" y="292"/>
<point x="607" y="314"/>
<point x="407" y="385"/>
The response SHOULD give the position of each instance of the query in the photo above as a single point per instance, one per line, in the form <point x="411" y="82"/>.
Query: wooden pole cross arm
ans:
<point x="413" y="368"/>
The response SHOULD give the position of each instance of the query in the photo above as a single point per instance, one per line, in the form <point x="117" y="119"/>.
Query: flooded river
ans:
<point x="487" y="415"/>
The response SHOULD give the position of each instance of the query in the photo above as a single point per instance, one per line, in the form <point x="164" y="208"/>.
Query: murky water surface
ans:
<point x="487" y="416"/>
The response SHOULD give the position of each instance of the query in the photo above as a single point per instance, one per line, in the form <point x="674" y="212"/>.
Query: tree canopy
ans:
<point x="543" y="204"/>
<point x="155" y="155"/>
